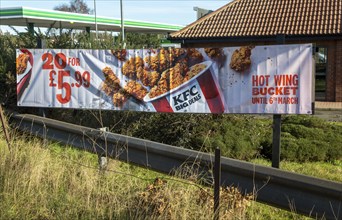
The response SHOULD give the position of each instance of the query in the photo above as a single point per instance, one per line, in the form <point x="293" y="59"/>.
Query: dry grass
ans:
<point x="40" y="181"/>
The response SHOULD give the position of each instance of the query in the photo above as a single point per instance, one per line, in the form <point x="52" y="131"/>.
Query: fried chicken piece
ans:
<point x="214" y="52"/>
<point x="21" y="63"/>
<point x="158" y="89"/>
<point x="120" y="54"/>
<point x="162" y="87"/>
<point x="194" y="56"/>
<point x="183" y="65"/>
<point x="135" y="89"/>
<point x="109" y="88"/>
<point x="148" y="78"/>
<point x="194" y="70"/>
<point x="170" y="79"/>
<point x="176" y="76"/>
<point x="132" y="66"/>
<point x="217" y="55"/>
<point x="110" y="75"/>
<point x="177" y="52"/>
<point x="160" y="62"/>
<point x="241" y="59"/>
<point x="194" y="53"/>
<point x="111" y="84"/>
<point x="120" y="98"/>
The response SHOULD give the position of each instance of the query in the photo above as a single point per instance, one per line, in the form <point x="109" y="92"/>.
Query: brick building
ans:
<point x="264" y="22"/>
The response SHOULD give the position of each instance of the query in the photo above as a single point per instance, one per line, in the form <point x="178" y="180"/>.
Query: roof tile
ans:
<point x="268" y="18"/>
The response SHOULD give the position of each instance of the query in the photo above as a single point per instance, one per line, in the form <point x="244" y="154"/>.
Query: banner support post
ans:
<point x="280" y="39"/>
<point x="276" y="141"/>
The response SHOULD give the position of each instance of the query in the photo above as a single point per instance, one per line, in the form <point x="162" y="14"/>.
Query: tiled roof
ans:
<point x="258" y="18"/>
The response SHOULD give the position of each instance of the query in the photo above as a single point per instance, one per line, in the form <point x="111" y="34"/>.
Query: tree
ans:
<point x="77" y="6"/>
<point x="140" y="40"/>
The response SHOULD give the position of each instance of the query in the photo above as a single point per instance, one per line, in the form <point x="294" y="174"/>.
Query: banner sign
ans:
<point x="273" y="79"/>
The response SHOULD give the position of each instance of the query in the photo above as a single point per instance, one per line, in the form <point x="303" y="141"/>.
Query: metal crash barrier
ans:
<point x="306" y="195"/>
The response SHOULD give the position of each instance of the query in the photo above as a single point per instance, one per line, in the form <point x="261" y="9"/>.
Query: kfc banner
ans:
<point x="273" y="79"/>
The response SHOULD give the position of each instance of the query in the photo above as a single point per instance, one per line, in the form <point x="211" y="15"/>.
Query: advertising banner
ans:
<point x="273" y="79"/>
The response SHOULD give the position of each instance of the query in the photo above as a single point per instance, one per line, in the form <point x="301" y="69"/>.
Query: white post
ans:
<point x="102" y="158"/>
<point x="122" y="27"/>
<point x="95" y="19"/>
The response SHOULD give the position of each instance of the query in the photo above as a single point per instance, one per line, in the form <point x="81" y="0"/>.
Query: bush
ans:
<point x="308" y="138"/>
<point x="238" y="136"/>
<point x="245" y="137"/>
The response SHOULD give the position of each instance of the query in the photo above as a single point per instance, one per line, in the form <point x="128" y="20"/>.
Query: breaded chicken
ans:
<point x="217" y="55"/>
<point x="241" y="59"/>
<point x="213" y="52"/>
<point x="194" y="70"/>
<point x="109" y="88"/>
<point x="170" y="79"/>
<point x="111" y="84"/>
<point x="110" y="76"/>
<point x="176" y="76"/>
<point x="21" y="63"/>
<point x="132" y="66"/>
<point x="194" y="56"/>
<point x="162" y="61"/>
<point x="120" y="54"/>
<point x="120" y="98"/>
<point x="183" y="65"/>
<point x="177" y="52"/>
<point x="148" y="78"/>
<point x="135" y="89"/>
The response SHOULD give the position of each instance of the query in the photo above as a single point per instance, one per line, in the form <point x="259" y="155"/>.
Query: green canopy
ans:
<point x="24" y="16"/>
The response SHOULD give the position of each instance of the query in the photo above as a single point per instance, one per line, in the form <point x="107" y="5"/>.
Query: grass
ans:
<point x="324" y="170"/>
<point x="338" y="123"/>
<point x="41" y="180"/>
<point x="45" y="181"/>
<point x="329" y="171"/>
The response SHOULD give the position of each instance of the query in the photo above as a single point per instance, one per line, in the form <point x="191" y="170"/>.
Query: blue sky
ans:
<point x="166" y="11"/>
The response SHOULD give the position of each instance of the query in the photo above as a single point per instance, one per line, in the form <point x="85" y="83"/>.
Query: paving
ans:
<point x="329" y="105"/>
<point x="331" y="111"/>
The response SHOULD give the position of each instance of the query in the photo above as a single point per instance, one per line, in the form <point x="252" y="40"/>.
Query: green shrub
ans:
<point x="303" y="138"/>
<point x="304" y="120"/>
<point x="237" y="136"/>
<point x="308" y="138"/>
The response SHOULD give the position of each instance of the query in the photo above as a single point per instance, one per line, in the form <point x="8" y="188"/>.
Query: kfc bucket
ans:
<point x="200" y="93"/>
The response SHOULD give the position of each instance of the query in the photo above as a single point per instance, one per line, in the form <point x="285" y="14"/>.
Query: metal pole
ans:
<point x="31" y="28"/>
<point x="95" y="19"/>
<point x="217" y="182"/>
<point x="280" y="38"/>
<point x="276" y="141"/>
<point x="122" y="27"/>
